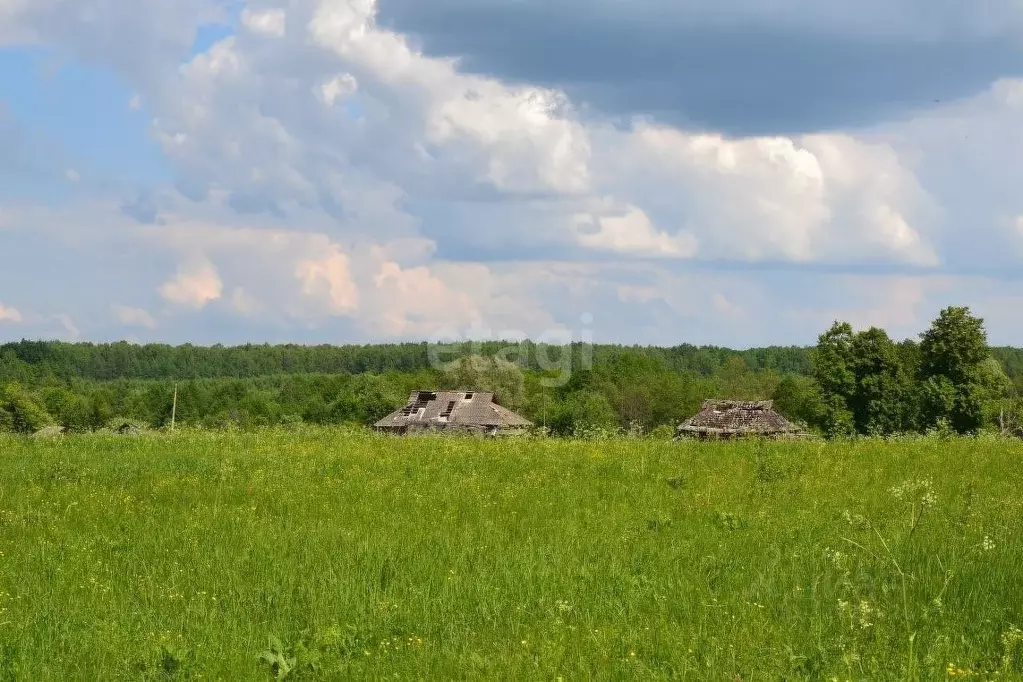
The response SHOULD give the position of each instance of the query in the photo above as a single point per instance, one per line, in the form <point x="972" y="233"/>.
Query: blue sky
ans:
<point x="74" y="117"/>
<point x="350" y="170"/>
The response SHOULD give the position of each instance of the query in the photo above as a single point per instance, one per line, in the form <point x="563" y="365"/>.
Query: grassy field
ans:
<point x="321" y="554"/>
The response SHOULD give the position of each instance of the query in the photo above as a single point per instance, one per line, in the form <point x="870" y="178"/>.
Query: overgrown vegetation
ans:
<point x="851" y="383"/>
<point x="324" y="554"/>
<point x="870" y="385"/>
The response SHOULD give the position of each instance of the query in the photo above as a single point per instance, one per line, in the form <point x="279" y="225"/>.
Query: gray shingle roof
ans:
<point x="453" y="408"/>
<point x="737" y="417"/>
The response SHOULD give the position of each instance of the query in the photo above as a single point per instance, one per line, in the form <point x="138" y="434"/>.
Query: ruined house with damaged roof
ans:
<point x="736" y="419"/>
<point x="454" y="411"/>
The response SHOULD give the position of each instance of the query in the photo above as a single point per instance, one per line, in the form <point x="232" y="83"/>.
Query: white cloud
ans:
<point x="8" y="314"/>
<point x="406" y="292"/>
<point x="196" y="284"/>
<point x="819" y="198"/>
<point x="329" y="279"/>
<point x="243" y="303"/>
<point x="139" y="39"/>
<point x="388" y="289"/>
<point x="270" y="22"/>
<point x="134" y="317"/>
<point x="337" y="88"/>
<point x="415" y="301"/>
<point x="415" y="128"/>
<point x="338" y="176"/>
<point x="242" y="116"/>
<point x="631" y="233"/>
<point x="72" y="175"/>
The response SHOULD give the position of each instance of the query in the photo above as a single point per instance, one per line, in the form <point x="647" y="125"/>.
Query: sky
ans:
<point x="642" y="172"/>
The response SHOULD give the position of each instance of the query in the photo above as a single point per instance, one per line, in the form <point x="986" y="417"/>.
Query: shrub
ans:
<point x="26" y="414"/>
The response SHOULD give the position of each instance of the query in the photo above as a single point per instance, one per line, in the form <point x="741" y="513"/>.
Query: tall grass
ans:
<point x="323" y="554"/>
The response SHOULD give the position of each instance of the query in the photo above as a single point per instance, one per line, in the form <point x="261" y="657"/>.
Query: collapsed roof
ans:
<point x="738" y="418"/>
<point x="465" y="410"/>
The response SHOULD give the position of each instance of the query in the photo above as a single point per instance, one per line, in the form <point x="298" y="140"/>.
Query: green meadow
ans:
<point x="325" y="554"/>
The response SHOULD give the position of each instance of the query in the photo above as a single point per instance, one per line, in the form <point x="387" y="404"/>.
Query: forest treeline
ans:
<point x="38" y="360"/>
<point x="851" y="382"/>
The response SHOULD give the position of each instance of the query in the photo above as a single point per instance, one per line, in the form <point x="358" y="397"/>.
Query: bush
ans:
<point x="26" y="414"/>
<point x="662" y="432"/>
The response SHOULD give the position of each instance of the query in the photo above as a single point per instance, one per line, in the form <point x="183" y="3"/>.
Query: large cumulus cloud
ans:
<point x="336" y="182"/>
<point x="317" y="106"/>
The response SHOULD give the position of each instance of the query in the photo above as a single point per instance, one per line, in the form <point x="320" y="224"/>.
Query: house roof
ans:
<point x="459" y="408"/>
<point x="738" y="417"/>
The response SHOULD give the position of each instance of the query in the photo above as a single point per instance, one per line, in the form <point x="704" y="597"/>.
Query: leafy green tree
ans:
<point x="879" y="402"/>
<point x="366" y="399"/>
<point x="636" y="406"/>
<point x="68" y="408"/>
<point x="833" y="372"/>
<point x="580" y="411"/>
<point x="800" y="400"/>
<point x="864" y="383"/>
<point x="258" y="408"/>
<point x="734" y="375"/>
<point x="955" y="383"/>
<point x="954" y="346"/>
<point x="99" y="409"/>
<point x="1000" y="407"/>
<point x="705" y="362"/>
<point x="26" y="414"/>
<point x="475" y="373"/>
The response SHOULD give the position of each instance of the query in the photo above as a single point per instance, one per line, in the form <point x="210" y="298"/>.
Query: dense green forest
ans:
<point x="27" y="360"/>
<point x="851" y="382"/>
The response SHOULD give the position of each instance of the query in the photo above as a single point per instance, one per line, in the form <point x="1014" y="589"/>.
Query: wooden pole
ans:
<point x="174" y="407"/>
<point x="543" y="392"/>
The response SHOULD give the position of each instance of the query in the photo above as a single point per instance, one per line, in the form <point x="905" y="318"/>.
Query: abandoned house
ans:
<point x="733" y="418"/>
<point x="456" y="411"/>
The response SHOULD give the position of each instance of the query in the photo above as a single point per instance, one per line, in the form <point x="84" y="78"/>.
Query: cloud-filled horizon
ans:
<point x="338" y="171"/>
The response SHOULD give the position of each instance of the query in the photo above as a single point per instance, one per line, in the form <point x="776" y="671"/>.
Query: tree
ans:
<point x="800" y="400"/>
<point x="99" y="409"/>
<point x="636" y="406"/>
<point x="257" y="408"/>
<point x="581" y="411"/>
<point x="734" y="378"/>
<point x="879" y="399"/>
<point x="954" y="346"/>
<point x="864" y="384"/>
<point x="24" y="413"/>
<point x="832" y="360"/>
<point x="366" y="399"/>
<point x="955" y="385"/>
<point x="67" y="407"/>
<point x="1002" y="396"/>
<point x="500" y="377"/>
